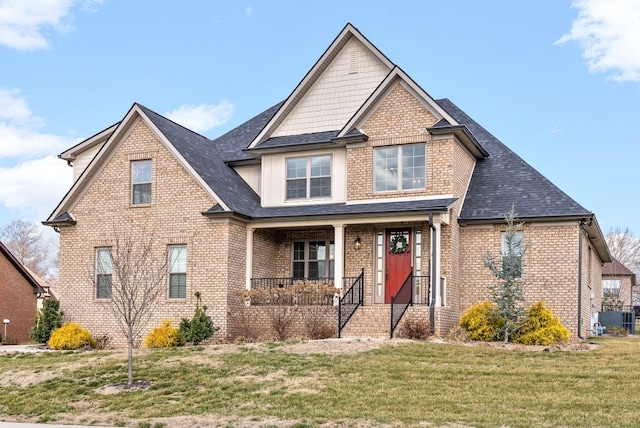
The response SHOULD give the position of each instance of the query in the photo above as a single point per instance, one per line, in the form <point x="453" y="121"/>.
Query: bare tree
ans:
<point x="131" y="272"/>
<point x="625" y="248"/>
<point x="26" y="243"/>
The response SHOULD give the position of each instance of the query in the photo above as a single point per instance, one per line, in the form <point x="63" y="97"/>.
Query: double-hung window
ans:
<point x="141" y="182"/>
<point x="177" y="271"/>
<point x="313" y="259"/>
<point x="610" y="288"/>
<point x="512" y="253"/>
<point x="399" y="167"/>
<point x="104" y="270"/>
<point x="309" y="177"/>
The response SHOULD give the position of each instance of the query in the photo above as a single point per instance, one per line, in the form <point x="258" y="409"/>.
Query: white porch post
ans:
<point x="338" y="263"/>
<point x="249" y="257"/>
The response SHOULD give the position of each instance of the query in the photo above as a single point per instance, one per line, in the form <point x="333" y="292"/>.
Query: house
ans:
<point x="19" y="294"/>
<point x="359" y="179"/>
<point x="618" y="283"/>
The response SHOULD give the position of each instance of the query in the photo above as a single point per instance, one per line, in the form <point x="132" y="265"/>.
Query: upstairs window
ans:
<point x="399" y="167"/>
<point x="610" y="288"/>
<point x="104" y="273"/>
<point x="309" y="177"/>
<point x="177" y="271"/>
<point x="141" y="182"/>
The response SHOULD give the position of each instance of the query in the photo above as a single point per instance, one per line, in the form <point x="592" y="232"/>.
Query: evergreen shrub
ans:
<point x="48" y="319"/>
<point x="481" y="322"/>
<point x="165" y="336"/>
<point x="70" y="336"/>
<point x="198" y="328"/>
<point x="541" y="328"/>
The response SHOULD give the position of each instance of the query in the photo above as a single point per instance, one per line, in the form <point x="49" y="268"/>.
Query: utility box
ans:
<point x="626" y="320"/>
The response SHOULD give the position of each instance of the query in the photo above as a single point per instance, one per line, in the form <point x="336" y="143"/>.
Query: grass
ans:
<point x="408" y="384"/>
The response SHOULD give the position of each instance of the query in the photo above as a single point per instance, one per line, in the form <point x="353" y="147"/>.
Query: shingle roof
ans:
<point x="615" y="268"/>
<point x="503" y="179"/>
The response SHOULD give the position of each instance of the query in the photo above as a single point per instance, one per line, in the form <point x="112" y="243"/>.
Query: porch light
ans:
<point x="357" y="243"/>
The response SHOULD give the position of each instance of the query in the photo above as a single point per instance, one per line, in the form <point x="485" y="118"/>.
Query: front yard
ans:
<point x="330" y="383"/>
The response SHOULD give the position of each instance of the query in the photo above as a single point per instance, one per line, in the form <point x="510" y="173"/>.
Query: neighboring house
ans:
<point x="358" y="173"/>
<point x="618" y="283"/>
<point x="19" y="294"/>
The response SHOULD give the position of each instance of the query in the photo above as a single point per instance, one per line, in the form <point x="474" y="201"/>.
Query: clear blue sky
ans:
<point x="555" y="80"/>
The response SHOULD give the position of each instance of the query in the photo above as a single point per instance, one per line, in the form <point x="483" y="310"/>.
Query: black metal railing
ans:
<point x="292" y="291"/>
<point x="350" y="301"/>
<point x="401" y="301"/>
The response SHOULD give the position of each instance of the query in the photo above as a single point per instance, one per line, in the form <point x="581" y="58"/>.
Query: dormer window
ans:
<point x="141" y="182"/>
<point x="309" y="177"/>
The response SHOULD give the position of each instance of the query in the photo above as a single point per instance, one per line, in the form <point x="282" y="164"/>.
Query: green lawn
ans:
<point x="405" y="384"/>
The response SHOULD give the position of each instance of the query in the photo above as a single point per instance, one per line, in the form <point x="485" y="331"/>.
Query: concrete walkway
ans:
<point x="24" y="348"/>
<point x="28" y="425"/>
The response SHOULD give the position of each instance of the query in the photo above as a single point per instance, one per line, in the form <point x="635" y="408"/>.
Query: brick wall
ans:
<point x="17" y="302"/>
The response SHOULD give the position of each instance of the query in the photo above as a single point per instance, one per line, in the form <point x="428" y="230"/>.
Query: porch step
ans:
<point x="369" y="321"/>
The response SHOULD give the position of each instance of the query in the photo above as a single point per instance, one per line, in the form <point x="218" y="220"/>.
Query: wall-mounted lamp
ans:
<point x="357" y="242"/>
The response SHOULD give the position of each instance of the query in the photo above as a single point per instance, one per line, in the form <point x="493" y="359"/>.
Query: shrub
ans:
<point x="481" y="322"/>
<point x="48" y="319"/>
<point x="415" y="328"/>
<point x="541" y="328"/>
<point x="70" y="336"/>
<point x="200" y="327"/>
<point x="165" y="336"/>
<point x="615" y="331"/>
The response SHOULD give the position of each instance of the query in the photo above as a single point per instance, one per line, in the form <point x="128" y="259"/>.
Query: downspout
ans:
<point x="432" y="315"/>
<point x="581" y="223"/>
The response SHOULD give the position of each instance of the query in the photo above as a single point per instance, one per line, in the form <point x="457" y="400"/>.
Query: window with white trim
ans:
<point x="104" y="273"/>
<point x="141" y="182"/>
<point x="313" y="259"/>
<point x="399" y="167"/>
<point x="308" y="177"/>
<point x="610" y="288"/>
<point x="177" y="271"/>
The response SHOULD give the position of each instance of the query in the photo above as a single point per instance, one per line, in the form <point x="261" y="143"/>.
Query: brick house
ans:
<point x="358" y="178"/>
<point x="618" y="282"/>
<point x="19" y="294"/>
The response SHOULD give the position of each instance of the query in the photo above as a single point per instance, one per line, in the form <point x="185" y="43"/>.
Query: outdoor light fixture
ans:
<point x="357" y="243"/>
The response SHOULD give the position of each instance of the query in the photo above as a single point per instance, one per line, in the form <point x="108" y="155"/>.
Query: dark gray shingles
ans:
<point x="299" y="140"/>
<point x="503" y="179"/>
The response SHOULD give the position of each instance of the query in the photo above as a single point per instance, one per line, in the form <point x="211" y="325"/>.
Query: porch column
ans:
<point x="338" y="263"/>
<point x="435" y="264"/>
<point x="249" y="257"/>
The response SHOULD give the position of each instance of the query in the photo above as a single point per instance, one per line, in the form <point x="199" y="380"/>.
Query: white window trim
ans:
<point x="308" y="178"/>
<point x="328" y="259"/>
<point x="171" y="272"/>
<point x="134" y="183"/>
<point x="399" y="149"/>
<point x="99" y="271"/>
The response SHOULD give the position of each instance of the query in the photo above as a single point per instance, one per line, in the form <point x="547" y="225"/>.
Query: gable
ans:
<point x="339" y="91"/>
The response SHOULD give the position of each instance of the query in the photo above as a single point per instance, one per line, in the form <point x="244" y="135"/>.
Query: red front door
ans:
<point x="398" y="260"/>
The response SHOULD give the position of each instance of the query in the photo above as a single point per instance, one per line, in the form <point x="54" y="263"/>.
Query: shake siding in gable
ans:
<point x="173" y="217"/>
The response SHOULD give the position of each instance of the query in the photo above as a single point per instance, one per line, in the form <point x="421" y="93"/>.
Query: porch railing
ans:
<point x="292" y="291"/>
<point x="401" y="301"/>
<point x="614" y="307"/>
<point x="421" y="287"/>
<point x="350" y="301"/>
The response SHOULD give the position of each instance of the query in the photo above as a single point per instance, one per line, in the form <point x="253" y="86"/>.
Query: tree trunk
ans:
<point x="130" y="356"/>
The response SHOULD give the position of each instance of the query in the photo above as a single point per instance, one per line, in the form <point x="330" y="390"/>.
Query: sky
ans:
<point x="557" y="81"/>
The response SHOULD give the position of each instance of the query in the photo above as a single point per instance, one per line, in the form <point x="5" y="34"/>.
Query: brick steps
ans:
<point x="369" y="321"/>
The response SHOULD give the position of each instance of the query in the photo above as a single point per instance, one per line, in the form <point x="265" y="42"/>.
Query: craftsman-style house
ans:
<point x="358" y="179"/>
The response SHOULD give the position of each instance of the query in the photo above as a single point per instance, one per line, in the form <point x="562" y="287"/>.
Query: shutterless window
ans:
<point x="610" y="287"/>
<point x="177" y="271"/>
<point x="104" y="273"/>
<point x="313" y="259"/>
<point x="309" y="177"/>
<point x="141" y="182"/>
<point x="399" y="167"/>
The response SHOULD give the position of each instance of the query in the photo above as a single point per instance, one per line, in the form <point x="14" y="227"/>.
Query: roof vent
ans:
<point x="353" y="61"/>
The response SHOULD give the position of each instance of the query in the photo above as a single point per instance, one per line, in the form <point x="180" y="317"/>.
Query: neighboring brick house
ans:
<point x="358" y="173"/>
<point x="19" y="293"/>
<point x="618" y="283"/>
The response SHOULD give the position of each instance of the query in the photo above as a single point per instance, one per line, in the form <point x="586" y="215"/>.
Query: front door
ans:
<point x="398" y="260"/>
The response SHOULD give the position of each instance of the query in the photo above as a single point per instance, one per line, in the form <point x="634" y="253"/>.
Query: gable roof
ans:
<point x="37" y="289"/>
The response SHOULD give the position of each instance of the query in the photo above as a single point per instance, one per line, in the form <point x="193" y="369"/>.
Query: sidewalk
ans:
<point x="28" y="425"/>
<point x="23" y="348"/>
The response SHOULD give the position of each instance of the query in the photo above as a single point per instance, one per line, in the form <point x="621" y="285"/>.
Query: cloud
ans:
<point x="249" y="10"/>
<point x="609" y="32"/>
<point x="20" y="130"/>
<point x="203" y="117"/>
<point x="35" y="187"/>
<point x="23" y="22"/>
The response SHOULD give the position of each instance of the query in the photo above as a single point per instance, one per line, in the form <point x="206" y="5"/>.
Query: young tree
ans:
<point x="508" y="291"/>
<point x="134" y="278"/>
<point x="26" y="243"/>
<point x="48" y="319"/>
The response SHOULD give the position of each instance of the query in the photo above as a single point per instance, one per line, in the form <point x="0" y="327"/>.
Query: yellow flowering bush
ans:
<point x="165" y="336"/>
<point x="70" y="336"/>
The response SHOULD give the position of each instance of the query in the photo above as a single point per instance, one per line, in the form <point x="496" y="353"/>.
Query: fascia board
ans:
<point x="312" y="75"/>
<point x="102" y="136"/>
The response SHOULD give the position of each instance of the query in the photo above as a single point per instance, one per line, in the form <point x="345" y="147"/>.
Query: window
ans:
<point x="399" y="167"/>
<point x="309" y="177"/>
<point x="141" y="182"/>
<point x="512" y="253"/>
<point x="610" y="288"/>
<point x="177" y="271"/>
<point x="103" y="273"/>
<point x="313" y="259"/>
